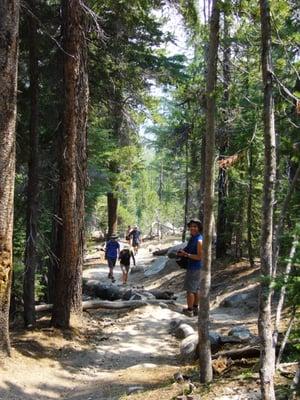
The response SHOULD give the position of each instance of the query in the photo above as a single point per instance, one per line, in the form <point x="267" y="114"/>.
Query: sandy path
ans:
<point x="124" y="350"/>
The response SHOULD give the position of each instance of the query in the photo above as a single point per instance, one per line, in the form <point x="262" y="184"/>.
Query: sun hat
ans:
<point x="197" y="222"/>
<point x="114" y="236"/>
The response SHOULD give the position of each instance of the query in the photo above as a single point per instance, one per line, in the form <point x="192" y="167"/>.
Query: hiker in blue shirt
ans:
<point x="193" y="253"/>
<point x="112" y="252"/>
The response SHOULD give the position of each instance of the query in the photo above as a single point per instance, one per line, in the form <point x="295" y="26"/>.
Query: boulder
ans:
<point x="189" y="345"/>
<point x="241" y="333"/>
<point x="215" y="339"/>
<point x="188" y="348"/>
<point x="174" y="324"/>
<point x="183" y="330"/>
<point x="158" y="265"/>
<point x="137" y="268"/>
<point x="237" y="300"/>
<point x="174" y="249"/>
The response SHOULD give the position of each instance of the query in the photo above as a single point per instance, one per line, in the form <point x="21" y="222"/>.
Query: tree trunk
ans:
<point x="204" y="342"/>
<point x="9" y="24"/>
<point x="249" y="208"/>
<point x="202" y="178"/>
<point x="112" y="209"/>
<point x="68" y="279"/>
<point x="222" y="239"/>
<point x="186" y="202"/>
<point x="267" y="357"/>
<point x="31" y="260"/>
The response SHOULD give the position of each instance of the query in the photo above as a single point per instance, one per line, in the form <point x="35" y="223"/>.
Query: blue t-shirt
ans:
<point x="112" y="248"/>
<point x="192" y="248"/>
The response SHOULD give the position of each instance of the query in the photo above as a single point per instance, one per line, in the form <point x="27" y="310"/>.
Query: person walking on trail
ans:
<point x="112" y="252"/>
<point x="125" y="256"/>
<point x="135" y="237"/>
<point x="193" y="254"/>
<point x="127" y="234"/>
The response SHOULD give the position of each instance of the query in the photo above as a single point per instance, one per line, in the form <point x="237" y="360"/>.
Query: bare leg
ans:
<point x="190" y="299"/>
<point x="196" y="299"/>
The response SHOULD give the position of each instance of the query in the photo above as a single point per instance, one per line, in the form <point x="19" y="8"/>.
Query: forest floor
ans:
<point x="113" y="353"/>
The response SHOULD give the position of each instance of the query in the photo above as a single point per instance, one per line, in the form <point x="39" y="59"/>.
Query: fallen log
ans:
<point x="244" y="352"/>
<point x="110" y="305"/>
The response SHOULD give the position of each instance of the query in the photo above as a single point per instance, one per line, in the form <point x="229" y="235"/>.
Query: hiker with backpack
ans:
<point x="190" y="258"/>
<point x="112" y="252"/>
<point x="125" y="256"/>
<point x="136" y="239"/>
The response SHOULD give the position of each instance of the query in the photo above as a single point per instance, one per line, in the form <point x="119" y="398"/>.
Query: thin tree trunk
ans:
<point x="31" y="260"/>
<point x="9" y="24"/>
<point x="222" y="239"/>
<point x="202" y="178"/>
<point x="286" y="337"/>
<point x="112" y="209"/>
<point x="267" y="357"/>
<point x="283" y="288"/>
<point x="279" y="228"/>
<point x="186" y="203"/>
<point x="205" y="283"/>
<point x="68" y="279"/>
<point x="249" y="208"/>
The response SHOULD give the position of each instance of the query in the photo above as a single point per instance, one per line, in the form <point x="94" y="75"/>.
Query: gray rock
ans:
<point x="174" y="249"/>
<point x="229" y="339"/>
<point x="137" y="268"/>
<point x="188" y="348"/>
<point x="236" y="300"/>
<point x="158" y="265"/>
<point x="183" y="330"/>
<point x="189" y="345"/>
<point x="240" y="332"/>
<point x="215" y="338"/>
<point x="175" y="324"/>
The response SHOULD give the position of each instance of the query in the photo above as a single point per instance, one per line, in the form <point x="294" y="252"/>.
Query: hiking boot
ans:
<point x="188" y="312"/>
<point x="195" y="311"/>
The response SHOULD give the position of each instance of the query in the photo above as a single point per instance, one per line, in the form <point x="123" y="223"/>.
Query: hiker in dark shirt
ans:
<point x="193" y="255"/>
<point x="127" y="234"/>
<point x="111" y="254"/>
<point x="135" y="237"/>
<point x="125" y="255"/>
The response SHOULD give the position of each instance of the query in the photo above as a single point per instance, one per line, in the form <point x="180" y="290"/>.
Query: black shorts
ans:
<point x="111" y="262"/>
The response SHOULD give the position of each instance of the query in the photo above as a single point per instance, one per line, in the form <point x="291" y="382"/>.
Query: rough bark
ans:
<point x="9" y="23"/>
<point x="204" y="348"/>
<point x="249" y="207"/>
<point x="186" y="203"/>
<point x="68" y="299"/>
<point x="31" y="257"/>
<point x="267" y="353"/>
<point x="112" y="209"/>
<point x="222" y="239"/>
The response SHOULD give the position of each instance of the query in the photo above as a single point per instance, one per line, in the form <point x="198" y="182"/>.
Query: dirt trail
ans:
<point x="114" y="351"/>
